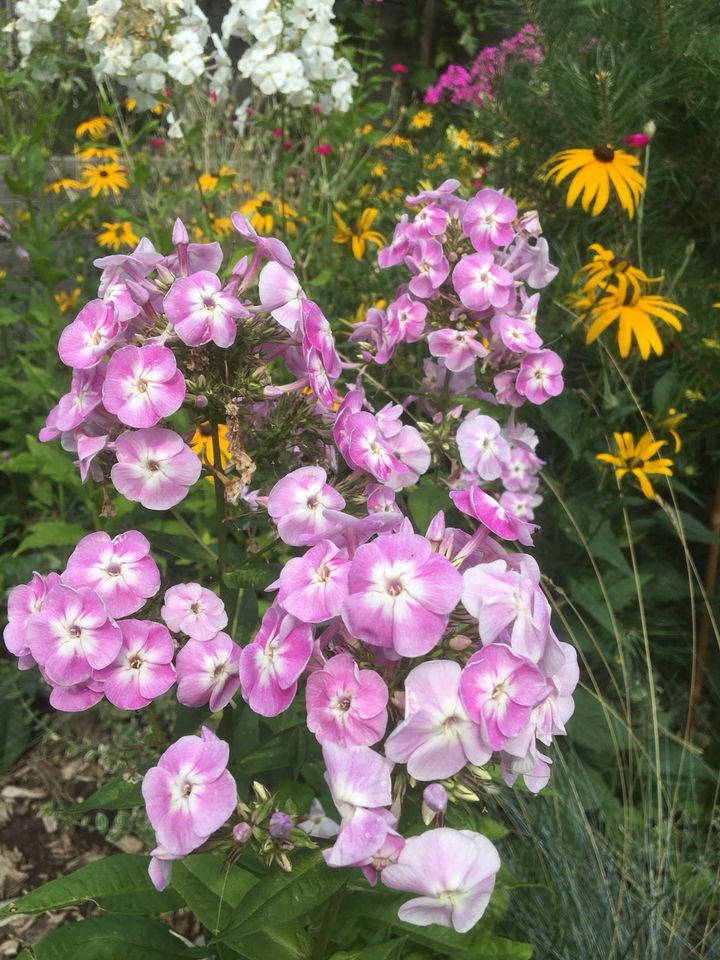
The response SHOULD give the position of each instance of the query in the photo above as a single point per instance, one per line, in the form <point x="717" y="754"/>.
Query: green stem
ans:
<point x="641" y="209"/>
<point x="222" y="560"/>
<point x="319" y="950"/>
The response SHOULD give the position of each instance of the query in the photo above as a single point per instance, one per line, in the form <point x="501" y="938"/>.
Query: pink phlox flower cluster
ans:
<point x="472" y="262"/>
<point x="123" y="349"/>
<point x="478" y="83"/>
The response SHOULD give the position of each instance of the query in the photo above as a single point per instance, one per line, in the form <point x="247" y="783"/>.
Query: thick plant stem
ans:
<point x="220" y="510"/>
<point x="641" y="209"/>
<point x="711" y="573"/>
<point x="319" y="950"/>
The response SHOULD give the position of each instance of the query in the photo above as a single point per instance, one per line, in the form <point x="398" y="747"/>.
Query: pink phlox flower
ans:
<point x="437" y="738"/>
<point x="282" y="295"/>
<point x="317" y="824"/>
<point x="201" y="311"/>
<point x="314" y="586"/>
<point x="269" y="248"/>
<point x="396" y="251"/>
<point x="521" y="504"/>
<point x="373" y="865"/>
<point x="516" y="334"/>
<point x="481" y="283"/>
<point x="458" y="384"/>
<point x="530" y="261"/>
<point x="381" y="499"/>
<point x="143" y="668"/>
<point x="346" y="705"/>
<point x="359" y="781"/>
<point x="459" y="349"/>
<point x="155" y="467"/>
<point x="444" y="196"/>
<point x="454" y="873"/>
<point x="132" y="269"/>
<point x="482" y="447"/>
<point x="406" y="319"/>
<point x="501" y="599"/>
<point x="318" y="335"/>
<point x="350" y="531"/>
<point x="504" y="383"/>
<point x="72" y="635"/>
<point x="389" y="420"/>
<point x="430" y="221"/>
<point x="429" y="267"/>
<point x="374" y="331"/>
<point x="75" y="697"/>
<point x="118" y="295"/>
<point x="193" y="609"/>
<point x="410" y="450"/>
<point x="488" y="218"/>
<point x="401" y="594"/>
<point x="143" y="385"/>
<point x="540" y="376"/>
<point x="197" y="257"/>
<point x="75" y="407"/>
<point x="499" y="689"/>
<point x="533" y="767"/>
<point x="553" y="713"/>
<point x="120" y="570"/>
<point x="297" y="504"/>
<point x="85" y="341"/>
<point x="160" y="869"/>
<point x="24" y="601"/>
<point x="480" y="505"/>
<point x="208" y="672"/>
<point x="271" y="665"/>
<point x="367" y="448"/>
<point x="520" y="470"/>
<point x="190" y="793"/>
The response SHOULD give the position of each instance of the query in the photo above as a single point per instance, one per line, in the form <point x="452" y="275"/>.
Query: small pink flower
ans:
<point x="75" y="407"/>
<point x="430" y="221"/>
<point x="406" y="319"/>
<point x="189" y="794"/>
<point x="143" y="668"/>
<point x="482" y="447"/>
<point x="73" y="635"/>
<point x="437" y="738"/>
<point x="481" y="283"/>
<point x="75" y="697"/>
<point x="269" y="247"/>
<point x="540" y="376"/>
<point x="454" y="873"/>
<point x="194" y="610"/>
<point x="313" y="587"/>
<point x="281" y="294"/>
<point x="297" y="504"/>
<point x="143" y="385"/>
<point x="317" y="824"/>
<point x="24" y="602"/>
<point x="429" y="267"/>
<point x="208" y="672"/>
<point x="413" y="455"/>
<point x="85" y="341"/>
<point x="458" y="348"/>
<point x="480" y="505"/>
<point x="401" y="594"/>
<point x="398" y="68"/>
<point x="201" y="311"/>
<point x="636" y="140"/>
<point x="271" y="665"/>
<point x="516" y="334"/>
<point x="499" y="690"/>
<point x="155" y="467"/>
<point x="368" y="449"/>
<point x="346" y="705"/>
<point x="120" y="571"/>
<point x="323" y="149"/>
<point x="487" y="220"/>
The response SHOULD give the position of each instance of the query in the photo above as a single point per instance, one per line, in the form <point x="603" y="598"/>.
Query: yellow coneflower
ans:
<point x="671" y="422"/>
<point x="637" y="459"/>
<point x="379" y="170"/>
<point x="606" y="266"/>
<point x="634" y="312"/>
<point x="423" y="118"/>
<point x="366" y="128"/>
<point x="593" y="172"/>
<point x="67" y="301"/>
<point x="99" y="153"/>
<point x="202" y="444"/>
<point x="263" y="209"/>
<point x="359" y="234"/>
<point x="104" y="178"/>
<point x="66" y="183"/>
<point x="207" y="182"/>
<point x="401" y="143"/>
<point x="95" y="127"/>
<point x="437" y="160"/>
<point x="118" y="235"/>
<point x="458" y="138"/>
<point x="222" y="226"/>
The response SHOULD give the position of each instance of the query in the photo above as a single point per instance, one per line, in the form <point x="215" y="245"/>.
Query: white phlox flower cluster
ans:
<point x="147" y="45"/>
<point x="292" y="51"/>
<point x="32" y="25"/>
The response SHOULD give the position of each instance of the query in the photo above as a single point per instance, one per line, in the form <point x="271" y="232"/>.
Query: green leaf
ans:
<point x="252" y="573"/>
<point x="380" y="951"/>
<point x="113" y="937"/>
<point x="283" y="942"/>
<point x="119" y="882"/>
<point x="425" y="500"/>
<point x="564" y="418"/>
<point x="211" y="887"/>
<point x="117" y="794"/>
<point x="182" y="547"/>
<point x="16" y="719"/>
<point x="280" y="897"/>
<point x="51" y="533"/>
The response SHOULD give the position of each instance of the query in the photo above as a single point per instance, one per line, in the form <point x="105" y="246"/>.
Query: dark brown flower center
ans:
<point x="619" y="264"/>
<point x="604" y="154"/>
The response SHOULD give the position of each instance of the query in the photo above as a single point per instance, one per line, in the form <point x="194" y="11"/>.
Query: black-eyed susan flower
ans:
<point x="635" y="313"/>
<point x="593" y="172"/>
<point x="92" y="152"/>
<point x="117" y="235"/>
<point x="263" y="209"/>
<point x="637" y="459"/>
<point x="423" y="118"/>
<point x="95" y="127"/>
<point x="360" y="233"/>
<point x="104" y="178"/>
<point x="65" y="183"/>
<point x="605" y="267"/>
<point x="67" y="301"/>
<point x="202" y="444"/>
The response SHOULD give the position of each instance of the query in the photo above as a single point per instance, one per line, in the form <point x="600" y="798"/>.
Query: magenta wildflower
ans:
<point x="271" y="665"/>
<point x="488" y="219"/>
<point x="481" y="283"/>
<point x="297" y="504"/>
<point x="201" y="311"/>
